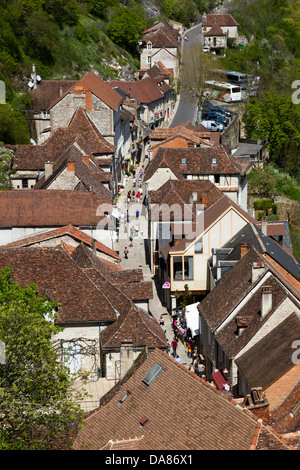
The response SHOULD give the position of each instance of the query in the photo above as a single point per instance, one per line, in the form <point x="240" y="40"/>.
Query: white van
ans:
<point x="212" y="126"/>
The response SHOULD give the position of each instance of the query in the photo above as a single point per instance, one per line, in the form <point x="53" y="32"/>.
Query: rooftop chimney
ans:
<point x="245" y="246"/>
<point x="266" y="301"/>
<point x="71" y="167"/>
<point x="48" y="169"/>
<point x="258" y="269"/>
<point x="204" y="199"/>
<point x="264" y="226"/>
<point x="86" y="159"/>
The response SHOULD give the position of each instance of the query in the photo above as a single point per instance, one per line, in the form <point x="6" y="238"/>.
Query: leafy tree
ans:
<point x="262" y="183"/>
<point x="277" y="118"/>
<point x="196" y="68"/>
<point x="125" y="29"/>
<point x="36" y="402"/>
<point x="13" y="127"/>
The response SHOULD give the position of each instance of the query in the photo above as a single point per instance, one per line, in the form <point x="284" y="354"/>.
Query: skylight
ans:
<point x="152" y="374"/>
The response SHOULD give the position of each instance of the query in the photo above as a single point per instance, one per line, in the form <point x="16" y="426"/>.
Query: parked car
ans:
<point x="207" y="105"/>
<point x="206" y="49"/>
<point x="212" y="126"/>
<point x="212" y="116"/>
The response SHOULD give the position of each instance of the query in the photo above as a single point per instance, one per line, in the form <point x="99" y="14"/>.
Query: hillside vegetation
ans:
<point x="272" y="51"/>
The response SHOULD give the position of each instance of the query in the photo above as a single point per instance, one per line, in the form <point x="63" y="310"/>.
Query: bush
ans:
<point x="264" y="205"/>
<point x="274" y="208"/>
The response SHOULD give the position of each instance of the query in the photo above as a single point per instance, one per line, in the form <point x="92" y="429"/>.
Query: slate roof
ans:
<point x="70" y="230"/>
<point x="144" y="91"/>
<point x="33" y="157"/>
<point x="273" y="354"/>
<point x="98" y="87"/>
<point x="202" y="419"/>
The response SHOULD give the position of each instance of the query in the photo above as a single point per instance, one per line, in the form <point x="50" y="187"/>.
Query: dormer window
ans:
<point x="214" y="161"/>
<point x="183" y="161"/>
<point x="149" y="46"/>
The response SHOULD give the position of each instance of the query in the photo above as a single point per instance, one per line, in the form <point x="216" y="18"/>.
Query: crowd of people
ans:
<point x="183" y="334"/>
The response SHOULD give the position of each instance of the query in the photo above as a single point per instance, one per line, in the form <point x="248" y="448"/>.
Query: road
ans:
<point x="186" y="109"/>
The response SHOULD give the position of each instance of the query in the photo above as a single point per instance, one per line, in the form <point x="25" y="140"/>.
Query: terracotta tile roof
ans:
<point x="98" y="87"/>
<point x="130" y="282"/>
<point x="51" y="208"/>
<point x="70" y="230"/>
<point x="143" y="91"/>
<point x="210" y="216"/>
<point x="215" y="30"/>
<point x="175" y="192"/>
<point x="47" y="91"/>
<point x="163" y="37"/>
<point x="271" y="357"/>
<point x="221" y="20"/>
<point x="198" y="160"/>
<point x="137" y="325"/>
<point x="90" y="175"/>
<point x="33" y="157"/>
<point x="202" y="417"/>
<point x="274" y="228"/>
<point x="60" y="279"/>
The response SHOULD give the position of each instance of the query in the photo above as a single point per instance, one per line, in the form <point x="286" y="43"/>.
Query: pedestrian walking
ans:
<point x="127" y="216"/>
<point x="178" y="360"/>
<point x="126" y="252"/>
<point x="138" y="195"/>
<point x="196" y="366"/>
<point x="137" y="214"/>
<point x="174" y="345"/>
<point x="134" y="182"/>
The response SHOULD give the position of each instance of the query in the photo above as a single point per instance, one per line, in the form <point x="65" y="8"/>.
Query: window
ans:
<point x="183" y="161"/>
<point x="199" y="246"/>
<point x="152" y="374"/>
<point x="188" y="267"/>
<point x="217" y="179"/>
<point x="149" y="46"/>
<point x="177" y="268"/>
<point x="149" y="60"/>
<point x="214" y="161"/>
<point x="25" y="183"/>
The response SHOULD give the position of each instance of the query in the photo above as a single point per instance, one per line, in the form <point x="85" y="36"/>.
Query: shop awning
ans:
<point x="192" y="318"/>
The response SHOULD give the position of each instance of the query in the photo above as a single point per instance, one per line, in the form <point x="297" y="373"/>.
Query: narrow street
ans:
<point x="137" y="254"/>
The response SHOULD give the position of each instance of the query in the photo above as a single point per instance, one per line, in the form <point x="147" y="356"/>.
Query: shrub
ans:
<point x="263" y="205"/>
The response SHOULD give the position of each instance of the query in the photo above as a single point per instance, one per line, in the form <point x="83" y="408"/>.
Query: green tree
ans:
<point x="125" y="29"/>
<point x="36" y="401"/>
<point x="13" y="127"/>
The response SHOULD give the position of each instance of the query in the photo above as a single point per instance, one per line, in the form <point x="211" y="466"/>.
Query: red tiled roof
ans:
<point x="70" y="230"/>
<point x="221" y="20"/>
<point x="98" y="87"/>
<point x="33" y="157"/>
<point x="49" y="208"/>
<point x="203" y="418"/>
<point x="47" y="91"/>
<point x="215" y="30"/>
<point x="143" y="91"/>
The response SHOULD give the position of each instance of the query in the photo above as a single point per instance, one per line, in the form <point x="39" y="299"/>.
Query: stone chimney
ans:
<point x="219" y="271"/>
<point x="48" y="169"/>
<point x="244" y="246"/>
<point x="266" y="301"/>
<point x="264" y="226"/>
<point x="126" y="356"/>
<point x="71" y="168"/>
<point x="258" y="269"/>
